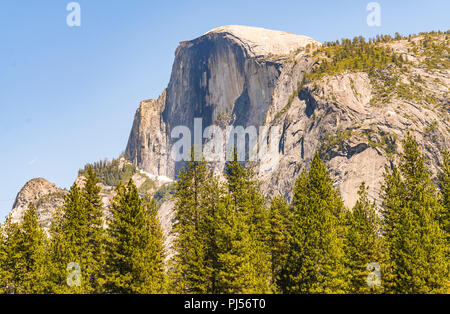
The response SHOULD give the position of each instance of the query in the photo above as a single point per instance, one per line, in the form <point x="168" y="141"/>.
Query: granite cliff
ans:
<point x="246" y="76"/>
<point x="226" y="76"/>
<point x="238" y="75"/>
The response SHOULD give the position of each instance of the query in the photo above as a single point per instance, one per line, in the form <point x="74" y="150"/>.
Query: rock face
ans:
<point x="226" y="76"/>
<point x="166" y="218"/>
<point x="148" y="143"/>
<point x="45" y="195"/>
<point x="246" y="76"/>
<point x="356" y="139"/>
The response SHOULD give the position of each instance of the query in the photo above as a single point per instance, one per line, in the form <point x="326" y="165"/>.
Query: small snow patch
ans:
<point x="162" y="179"/>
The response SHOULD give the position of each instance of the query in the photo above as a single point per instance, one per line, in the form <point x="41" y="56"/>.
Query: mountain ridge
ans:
<point x="355" y="117"/>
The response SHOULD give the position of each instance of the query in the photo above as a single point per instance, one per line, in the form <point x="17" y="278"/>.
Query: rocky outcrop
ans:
<point x="167" y="219"/>
<point x="356" y="138"/>
<point x="46" y="196"/>
<point x="148" y="143"/>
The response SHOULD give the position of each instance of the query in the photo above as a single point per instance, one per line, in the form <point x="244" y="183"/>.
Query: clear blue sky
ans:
<point x="68" y="95"/>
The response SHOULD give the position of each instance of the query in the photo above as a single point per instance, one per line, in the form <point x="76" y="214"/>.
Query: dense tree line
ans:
<point x="111" y="172"/>
<point x="230" y="239"/>
<point x="80" y="255"/>
<point x="354" y="55"/>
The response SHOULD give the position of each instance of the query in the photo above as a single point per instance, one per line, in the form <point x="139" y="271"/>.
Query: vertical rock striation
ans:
<point x="148" y="142"/>
<point x="247" y="76"/>
<point x="225" y="77"/>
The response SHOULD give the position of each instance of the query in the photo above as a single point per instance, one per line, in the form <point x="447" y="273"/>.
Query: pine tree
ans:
<point x="444" y="185"/>
<point x="23" y="255"/>
<point x="415" y="241"/>
<point x="78" y="240"/>
<point x="247" y="197"/>
<point x="54" y="255"/>
<point x="7" y="231"/>
<point x="237" y="252"/>
<point x="444" y="217"/>
<point x="248" y="206"/>
<point x="3" y="259"/>
<point x="8" y="269"/>
<point x="363" y="244"/>
<point x="219" y="240"/>
<point x="95" y="232"/>
<point x="280" y="218"/>
<point x="134" y="260"/>
<point x="69" y="247"/>
<point x="4" y="274"/>
<point x="194" y="266"/>
<point x="315" y="263"/>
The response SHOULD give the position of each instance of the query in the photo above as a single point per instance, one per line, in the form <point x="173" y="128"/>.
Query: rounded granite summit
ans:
<point x="262" y="42"/>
